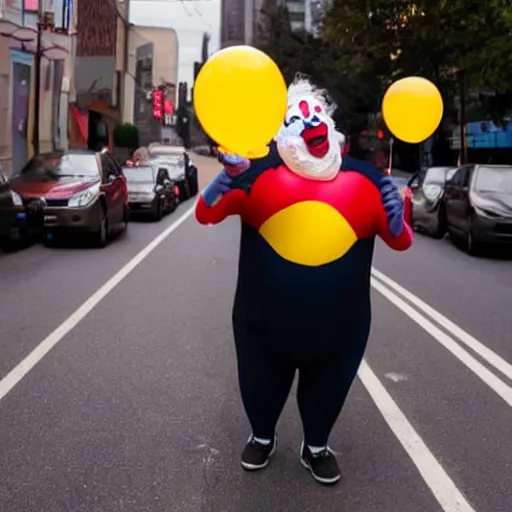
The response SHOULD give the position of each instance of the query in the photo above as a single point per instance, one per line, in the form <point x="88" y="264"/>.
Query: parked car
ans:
<point x="180" y="166"/>
<point x="81" y="192"/>
<point x="427" y="205"/>
<point x="150" y="190"/>
<point x="478" y="205"/>
<point x="14" y="221"/>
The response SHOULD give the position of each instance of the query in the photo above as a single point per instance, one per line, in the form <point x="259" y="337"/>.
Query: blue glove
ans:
<point x="393" y="205"/>
<point x="219" y="186"/>
<point x="234" y="164"/>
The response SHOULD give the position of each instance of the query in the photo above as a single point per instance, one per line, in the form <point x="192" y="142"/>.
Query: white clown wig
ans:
<point x="302" y="86"/>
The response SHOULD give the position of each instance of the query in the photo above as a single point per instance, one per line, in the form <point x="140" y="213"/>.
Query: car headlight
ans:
<point x="85" y="197"/>
<point x="16" y="199"/>
<point x="432" y="192"/>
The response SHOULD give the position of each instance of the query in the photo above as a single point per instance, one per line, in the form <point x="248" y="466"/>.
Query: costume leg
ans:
<point x="324" y="386"/>
<point x="265" y="380"/>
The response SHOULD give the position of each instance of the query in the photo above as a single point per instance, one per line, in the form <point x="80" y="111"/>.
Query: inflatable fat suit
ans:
<point x="308" y="227"/>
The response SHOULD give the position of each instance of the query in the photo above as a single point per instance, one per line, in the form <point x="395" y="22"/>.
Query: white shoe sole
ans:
<point x="326" y="481"/>
<point x="255" y="467"/>
<point x="319" y="479"/>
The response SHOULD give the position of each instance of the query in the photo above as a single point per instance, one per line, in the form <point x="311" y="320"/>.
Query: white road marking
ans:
<point x="495" y="383"/>
<point x="445" y="491"/>
<point x="396" y="377"/>
<point x="24" y="367"/>
<point x="442" y="486"/>
<point x="464" y="337"/>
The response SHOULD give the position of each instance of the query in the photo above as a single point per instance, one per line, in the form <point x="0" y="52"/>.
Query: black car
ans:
<point x="150" y="190"/>
<point x="180" y="166"/>
<point x="14" y="218"/>
<point x="478" y="205"/>
<point x="427" y="189"/>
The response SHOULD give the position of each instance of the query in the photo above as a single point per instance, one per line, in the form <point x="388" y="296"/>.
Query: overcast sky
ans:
<point x="189" y="18"/>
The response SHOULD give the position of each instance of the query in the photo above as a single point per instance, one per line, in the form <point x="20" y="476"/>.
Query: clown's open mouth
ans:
<point x="316" y="140"/>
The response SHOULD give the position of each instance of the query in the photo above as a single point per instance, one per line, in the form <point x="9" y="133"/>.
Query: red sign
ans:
<point x="168" y="106"/>
<point x="157" y="104"/>
<point x="31" y="5"/>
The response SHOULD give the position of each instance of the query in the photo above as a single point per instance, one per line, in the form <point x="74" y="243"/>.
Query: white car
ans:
<point x="179" y="165"/>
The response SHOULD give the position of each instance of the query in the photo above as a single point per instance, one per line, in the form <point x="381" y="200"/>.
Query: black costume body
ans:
<point x="289" y="316"/>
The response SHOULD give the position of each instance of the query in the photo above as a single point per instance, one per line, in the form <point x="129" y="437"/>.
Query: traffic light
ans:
<point x="182" y="95"/>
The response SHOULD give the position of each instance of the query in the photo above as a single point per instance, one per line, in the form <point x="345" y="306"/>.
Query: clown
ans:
<point x="302" y="303"/>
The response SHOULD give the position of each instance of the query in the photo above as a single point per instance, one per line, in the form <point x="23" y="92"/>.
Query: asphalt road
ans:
<point x="128" y="400"/>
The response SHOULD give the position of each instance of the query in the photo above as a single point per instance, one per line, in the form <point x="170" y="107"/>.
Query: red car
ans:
<point x="80" y="192"/>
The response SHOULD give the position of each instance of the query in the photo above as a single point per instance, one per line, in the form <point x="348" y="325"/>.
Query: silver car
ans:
<point x="178" y="163"/>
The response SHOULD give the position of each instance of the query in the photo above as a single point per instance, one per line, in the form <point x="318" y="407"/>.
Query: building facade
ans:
<point x="153" y="63"/>
<point x="100" y="63"/>
<point x="18" y="47"/>
<point x="242" y="20"/>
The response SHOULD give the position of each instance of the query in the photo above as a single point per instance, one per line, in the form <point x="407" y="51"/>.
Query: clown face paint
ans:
<point x="308" y="141"/>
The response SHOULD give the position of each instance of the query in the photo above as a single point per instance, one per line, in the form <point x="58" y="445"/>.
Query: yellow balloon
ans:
<point x="412" y="109"/>
<point x="240" y="100"/>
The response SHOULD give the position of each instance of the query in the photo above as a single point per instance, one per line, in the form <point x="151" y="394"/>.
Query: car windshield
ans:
<point x="80" y="165"/>
<point x="494" y="179"/>
<point x="173" y="166"/>
<point x="436" y="175"/>
<point x="177" y="159"/>
<point x="138" y="174"/>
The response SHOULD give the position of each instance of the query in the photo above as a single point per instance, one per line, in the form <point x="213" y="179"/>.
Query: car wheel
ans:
<point x="9" y="245"/>
<point x="49" y="239"/>
<point x="471" y="245"/>
<point x="185" y="191"/>
<point x="440" y="230"/>
<point x="126" y="216"/>
<point x="158" y="212"/>
<point x="193" y="182"/>
<point x="101" y="237"/>
<point x="174" y="203"/>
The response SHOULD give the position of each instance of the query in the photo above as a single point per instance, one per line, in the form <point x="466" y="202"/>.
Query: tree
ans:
<point x="356" y="95"/>
<point x="438" y="39"/>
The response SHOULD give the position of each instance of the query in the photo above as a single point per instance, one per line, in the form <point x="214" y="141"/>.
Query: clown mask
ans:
<point x="308" y="141"/>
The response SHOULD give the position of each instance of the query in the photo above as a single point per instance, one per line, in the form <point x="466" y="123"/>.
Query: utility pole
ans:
<point x="37" y="92"/>
<point x="126" y="56"/>
<point x="462" y="118"/>
<point x="162" y="106"/>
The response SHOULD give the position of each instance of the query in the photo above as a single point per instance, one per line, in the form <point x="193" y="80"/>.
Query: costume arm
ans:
<point x="229" y="204"/>
<point x="401" y="242"/>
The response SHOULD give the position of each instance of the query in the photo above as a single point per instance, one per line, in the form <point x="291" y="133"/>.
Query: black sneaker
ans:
<point x="323" y="466"/>
<point x="257" y="455"/>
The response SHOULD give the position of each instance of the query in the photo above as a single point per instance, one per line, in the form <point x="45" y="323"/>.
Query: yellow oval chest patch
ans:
<point x="309" y="233"/>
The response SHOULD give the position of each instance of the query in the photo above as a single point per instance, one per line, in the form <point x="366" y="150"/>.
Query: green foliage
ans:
<point x="433" y="38"/>
<point x="126" y="136"/>
<point x="356" y="94"/>
<point x="368" y="44"/>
